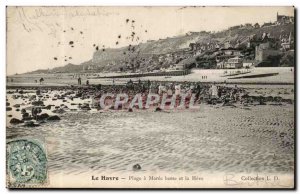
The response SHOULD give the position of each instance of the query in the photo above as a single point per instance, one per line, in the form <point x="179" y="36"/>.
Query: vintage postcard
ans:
<point x="150" y="97"/>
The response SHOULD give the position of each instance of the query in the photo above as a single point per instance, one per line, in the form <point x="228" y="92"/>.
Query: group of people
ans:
<point x="41" y="80"/>
<point x="202" y="91"/>
<point x="210" y="93"/>
<point x="79" y="81"/>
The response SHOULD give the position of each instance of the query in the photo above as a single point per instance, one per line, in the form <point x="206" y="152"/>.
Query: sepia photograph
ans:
<point x="173" y="97"/>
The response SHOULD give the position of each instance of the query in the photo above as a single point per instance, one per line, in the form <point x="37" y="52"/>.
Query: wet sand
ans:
<point x="215" y="138"/>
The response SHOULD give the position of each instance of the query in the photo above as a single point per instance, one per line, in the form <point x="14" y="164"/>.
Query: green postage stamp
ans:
<point x="26" y="164"/>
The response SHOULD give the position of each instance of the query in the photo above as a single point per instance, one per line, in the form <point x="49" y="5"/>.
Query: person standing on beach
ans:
<point x="87" y="82"/>
<point x="234" y="93"/>
<point x="198" y="91"/>
<point x="151" y="88"/>
<point x="169" y="90"/>
<point x="41" y="80"/>
<point x="177" y="90"/>
<point x="213" y="91"/>
<point x="79" y="81"/>
<point x="191" y="89"/>
<point x="160" y="89"/>
<point x="149" y="83"/>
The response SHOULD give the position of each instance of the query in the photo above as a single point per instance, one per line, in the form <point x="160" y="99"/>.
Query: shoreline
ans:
<point x="26" y="86"/>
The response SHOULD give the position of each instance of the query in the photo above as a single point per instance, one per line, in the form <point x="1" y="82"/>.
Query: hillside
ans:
<point x="154" y="55"/>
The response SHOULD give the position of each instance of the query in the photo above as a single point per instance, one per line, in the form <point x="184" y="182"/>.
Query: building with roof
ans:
<point x="283" y="19"/>
<point x="232" y="63"/>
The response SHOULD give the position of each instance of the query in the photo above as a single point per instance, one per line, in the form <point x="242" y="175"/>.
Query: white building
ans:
<point x="234" y="63"/>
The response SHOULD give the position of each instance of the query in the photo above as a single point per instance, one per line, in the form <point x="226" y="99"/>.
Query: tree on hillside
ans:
<point x="256" y="25"/>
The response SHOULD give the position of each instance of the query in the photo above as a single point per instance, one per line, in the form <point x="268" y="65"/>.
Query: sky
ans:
<point x="48" y="37"/>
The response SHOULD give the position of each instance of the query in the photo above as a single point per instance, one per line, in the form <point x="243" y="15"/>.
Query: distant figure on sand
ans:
<point x="41" y="80"/>
<point x="79" y="81"/>
<point x="213" y="91"/>
<point x="161" y="89"/>
<point x="234" y="92"/>
<point x="177" y="89"/>
<point x="87" y="82"/>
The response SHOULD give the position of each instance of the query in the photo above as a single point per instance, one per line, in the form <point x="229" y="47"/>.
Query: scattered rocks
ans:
<point x="288" y="101"/>
<point x="36" y="110"/>
<point x="59" y="111"/>
<point x="33" y="97"/>
<point x="37" y="103"/>
<point x="136" y="167"/>
<point x="30" y="124"/>
<point x="48" y="107"/>
<point x="53" y="118"/>
<point x="15" y="121"/>
<point x="8" y="108"/>
<point x="78" y="95"/>
<point x="17" y="105"/>
<point x="85" y="106"/>
<point x="23" y="111"/>
<point x="42" y="116"/>
<point x="41" y="121"/>
<point x="158" y="109"/>
<point x="228" y="103"/>
<point x="26" y="116"/>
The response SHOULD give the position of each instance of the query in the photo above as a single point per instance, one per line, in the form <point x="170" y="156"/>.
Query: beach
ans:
<point x="284" y="76"/>
<point x="150" y="97"/>
<point x="216" y="138"/>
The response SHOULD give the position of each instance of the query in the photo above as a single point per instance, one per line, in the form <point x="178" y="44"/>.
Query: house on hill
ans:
<point x="264" y="50"/>
<point x="232" y="63"/>
<point x="256" y="25"/>
<point x="286" y="42"/>
<point x="283" y="19"/>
